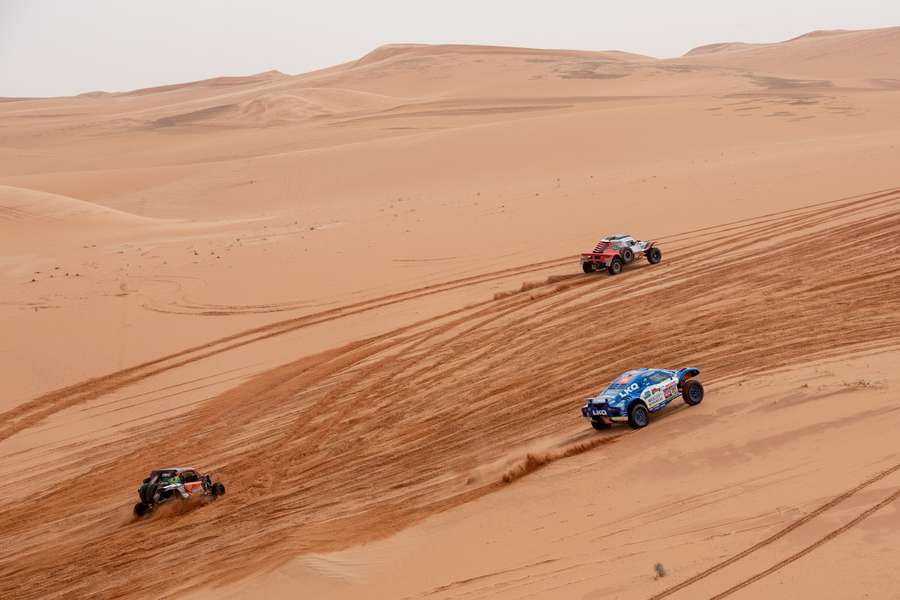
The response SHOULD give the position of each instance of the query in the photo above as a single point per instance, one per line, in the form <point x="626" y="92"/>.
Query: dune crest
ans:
<point x="837" y="54"/>
<point x="22" y="207"/>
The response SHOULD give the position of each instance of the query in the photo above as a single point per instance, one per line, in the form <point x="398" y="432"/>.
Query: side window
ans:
<point x="658" y="378"/>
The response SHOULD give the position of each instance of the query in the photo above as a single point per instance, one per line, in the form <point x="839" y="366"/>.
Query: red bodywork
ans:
<point x="604" y="253"/>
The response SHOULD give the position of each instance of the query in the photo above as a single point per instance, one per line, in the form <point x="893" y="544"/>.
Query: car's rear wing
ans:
<point x="687" y="373"/>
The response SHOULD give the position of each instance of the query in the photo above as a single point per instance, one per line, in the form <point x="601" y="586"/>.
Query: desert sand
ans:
<point x="354" y="296"/>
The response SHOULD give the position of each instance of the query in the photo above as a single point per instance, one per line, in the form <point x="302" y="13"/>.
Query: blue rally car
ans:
<point x="634" y="394"/>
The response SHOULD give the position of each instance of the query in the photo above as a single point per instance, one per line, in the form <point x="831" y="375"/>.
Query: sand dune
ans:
<point x="23" y="208"/>
<point x="851" y="55"/>
<point x="352" y="294"/>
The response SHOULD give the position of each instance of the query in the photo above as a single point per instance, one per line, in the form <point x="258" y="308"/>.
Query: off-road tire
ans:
<point x="218" y="489"/>
<point x="692" y="392"/>
<point x="627" y="254"/>
<point x="587" y="267"/>
<point x="654" y="255"/>
<point x="615" y="266"/>
<point x="147" y="492"/>
<point x="638" y="415"/>
<point x="141" y="509"/>
<point x="599" y="424"/>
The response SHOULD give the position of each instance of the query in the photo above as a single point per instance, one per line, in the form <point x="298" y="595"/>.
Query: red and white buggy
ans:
<point x="615" y="251"/>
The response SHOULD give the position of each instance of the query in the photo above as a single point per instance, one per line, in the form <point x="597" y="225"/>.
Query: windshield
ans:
<point x="617" y="386"/>
<point x="623" y="381"/>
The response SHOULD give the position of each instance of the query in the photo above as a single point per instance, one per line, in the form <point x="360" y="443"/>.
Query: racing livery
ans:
<point x="615" y="251"/>
<point x="634" y="394"/>
<point x="163" y="485"/>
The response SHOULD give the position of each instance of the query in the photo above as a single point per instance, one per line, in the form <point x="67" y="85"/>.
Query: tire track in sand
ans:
<point x="34" y="411"/>
<point x="361" y="441"/>
<point x="827" y="538"/>
<point x="782" y="533"/>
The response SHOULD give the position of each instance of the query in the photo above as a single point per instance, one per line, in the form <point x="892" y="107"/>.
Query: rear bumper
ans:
<point x="595" y="259"/>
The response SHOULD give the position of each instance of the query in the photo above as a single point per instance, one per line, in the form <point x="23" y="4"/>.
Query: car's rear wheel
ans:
<point x="638" y="415"/>
<point x="627" y="254"/>
<point x="599" y="424"/>
<point x="587" y="267"/>
<point x="654" y="255"/>
<point x="615" y="267"/>
<point x="692" y="392"/>
<point x="141" y="509"/>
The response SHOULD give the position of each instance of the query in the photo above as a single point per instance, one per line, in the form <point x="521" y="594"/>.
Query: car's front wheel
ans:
<point x="599" y="424"/>
<point x="654" y="255"/>
<point x="638" y="415"/>
<point x="692" y="392"/>
<point x="218" y="489"/>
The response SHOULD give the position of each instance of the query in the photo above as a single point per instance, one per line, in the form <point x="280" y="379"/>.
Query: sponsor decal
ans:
<point x="624" y="393"/>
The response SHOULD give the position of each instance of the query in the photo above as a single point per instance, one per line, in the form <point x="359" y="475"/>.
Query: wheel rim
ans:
<point x="694" y="393"/>
<point x="640" y="416"/>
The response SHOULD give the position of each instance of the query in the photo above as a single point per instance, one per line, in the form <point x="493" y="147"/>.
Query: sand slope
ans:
<point x="850" y="55"/>
<point x="352" y="294"/>
<point x="22" y="209"/>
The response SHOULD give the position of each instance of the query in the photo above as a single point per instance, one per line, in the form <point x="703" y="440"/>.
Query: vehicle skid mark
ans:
<point x="358" y="442"/>
<point x="827" y="538"/>
<point x="783" y="532"/>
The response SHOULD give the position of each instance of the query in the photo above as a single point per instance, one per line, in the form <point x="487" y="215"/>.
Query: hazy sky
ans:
<point x="50" y="47"/>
